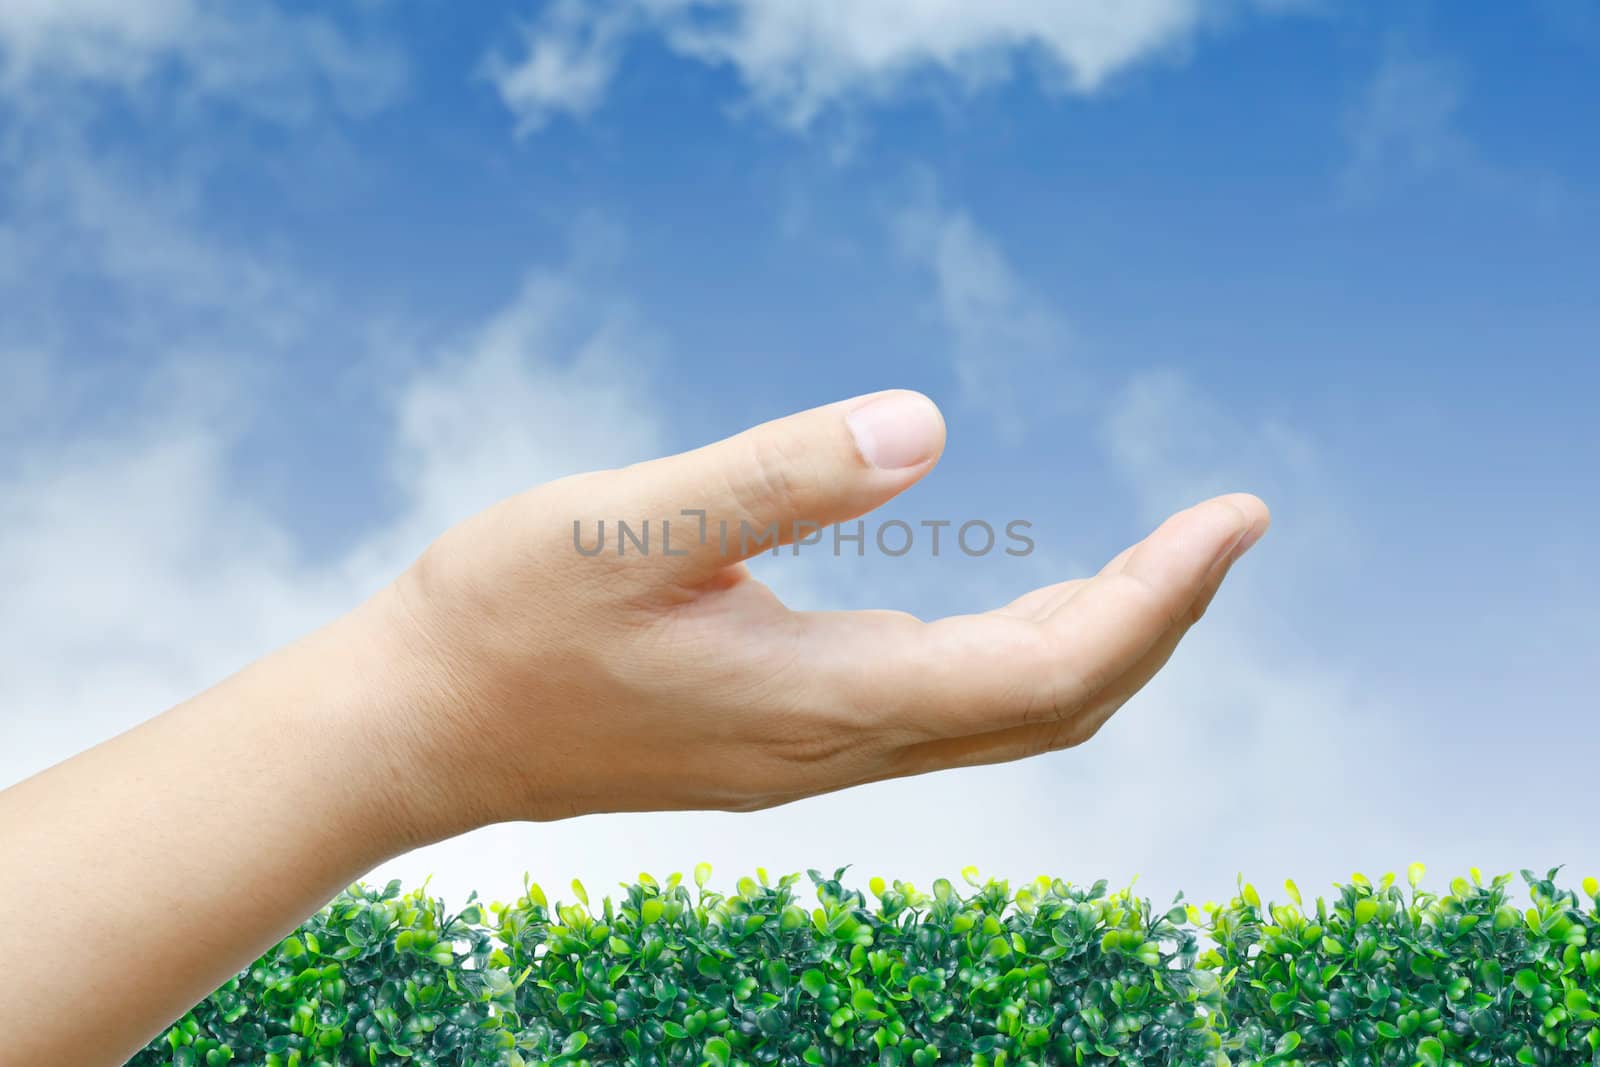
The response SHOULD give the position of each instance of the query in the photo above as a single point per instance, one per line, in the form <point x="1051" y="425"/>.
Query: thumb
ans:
<point x="787" y="479"/>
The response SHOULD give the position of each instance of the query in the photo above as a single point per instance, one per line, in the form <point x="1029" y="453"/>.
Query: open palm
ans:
<point x="644" y="680"/>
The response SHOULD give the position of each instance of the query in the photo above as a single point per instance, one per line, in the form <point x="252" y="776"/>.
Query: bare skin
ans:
<point x="179" y="851"/>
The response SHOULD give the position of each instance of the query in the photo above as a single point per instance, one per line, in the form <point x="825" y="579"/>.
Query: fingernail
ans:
<point x="897" y="430"/>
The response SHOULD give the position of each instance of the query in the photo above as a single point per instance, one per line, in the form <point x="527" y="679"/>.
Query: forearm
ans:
<point x="171" y="856"/>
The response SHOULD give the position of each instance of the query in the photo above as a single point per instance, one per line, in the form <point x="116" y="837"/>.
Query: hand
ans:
<point x="557" y="684"/>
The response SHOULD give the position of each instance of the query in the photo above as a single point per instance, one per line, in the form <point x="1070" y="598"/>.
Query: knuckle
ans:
<point x="1041" y="709"/>
<point x="1203" y="600"/>
<point x="1075" y="689"/>
<point x="1068" y="732"/>
<point x="1160" y="608"/>
<point x="774" y="477"/>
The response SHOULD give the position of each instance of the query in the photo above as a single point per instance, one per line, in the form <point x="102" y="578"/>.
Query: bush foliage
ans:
<point x="1051" y="973"/>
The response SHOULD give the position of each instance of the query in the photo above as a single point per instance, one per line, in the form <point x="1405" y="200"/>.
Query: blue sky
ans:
<point x="285" y="292"/>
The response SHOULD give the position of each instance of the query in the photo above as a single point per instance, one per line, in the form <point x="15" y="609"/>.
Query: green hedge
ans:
<point x="1051" y="973"/>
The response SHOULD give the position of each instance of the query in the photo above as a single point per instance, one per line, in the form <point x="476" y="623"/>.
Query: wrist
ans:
<point x="420" y="773"/>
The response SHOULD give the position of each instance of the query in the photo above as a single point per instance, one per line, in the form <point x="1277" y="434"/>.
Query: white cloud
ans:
<point x="571" y="53"/>
<point x="1003" y="337"/>
<point x="1403" y="126"/>
<point x="1284" y="724"/>
<point x="553" y="384"/>
<point x="273" y="62"/>
<point x="83" y="215"/>
<point x="1404" y="131"/>
<point x="136" y="572"/>
<point x="798" y="59"/>
<point x="96" y="38"/>
<point x="135" y="360"/>
<point x="1173" y="444"/>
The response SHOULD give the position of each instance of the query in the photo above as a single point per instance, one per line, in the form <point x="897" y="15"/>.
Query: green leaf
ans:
<point x="789" y="973"/>
<point x="718" y="1052"/>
